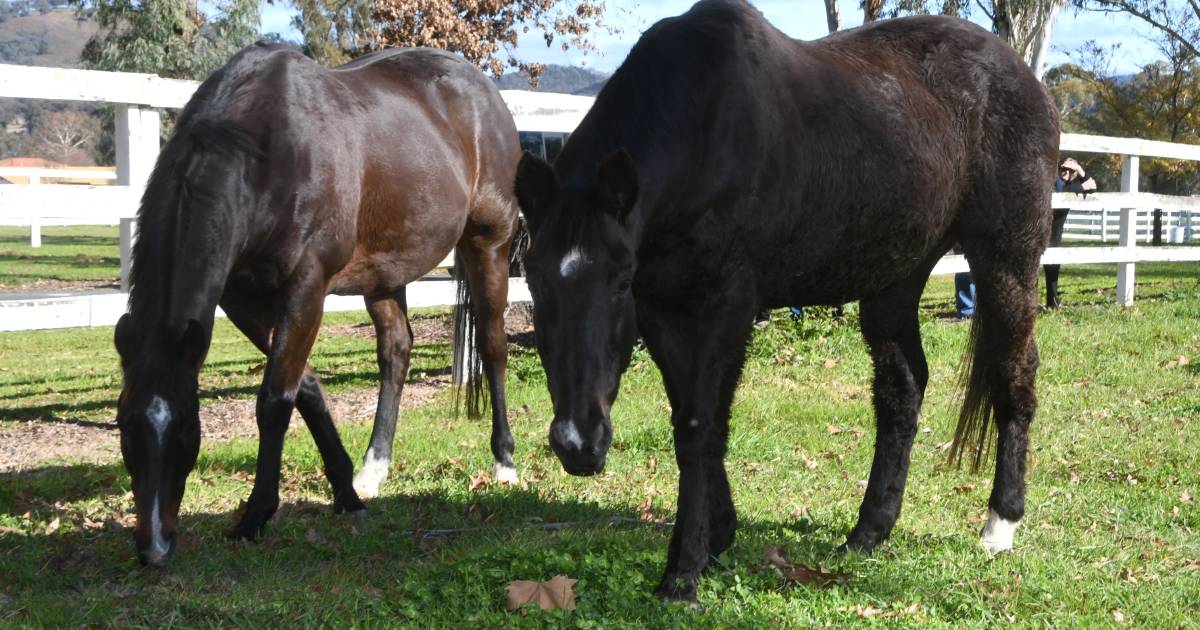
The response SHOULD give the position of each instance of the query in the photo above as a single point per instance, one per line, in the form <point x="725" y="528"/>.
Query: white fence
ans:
<point x="135" y="96"/>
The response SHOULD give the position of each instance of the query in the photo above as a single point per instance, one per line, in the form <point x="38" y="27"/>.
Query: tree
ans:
<point x="1178" y="22"/>
<point x="1161" y="102"/>
<point x="1024" y="24"/>
<point x="334" y="31"/>
<point x="486" y="31"/>
<point x="172" y="38"/>
<point x="832" y="17"/>
<point x="66" y="136"/>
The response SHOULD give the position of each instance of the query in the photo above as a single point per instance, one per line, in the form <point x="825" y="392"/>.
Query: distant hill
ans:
<point x="51" y="39"/>
<point x="556" y="78"/>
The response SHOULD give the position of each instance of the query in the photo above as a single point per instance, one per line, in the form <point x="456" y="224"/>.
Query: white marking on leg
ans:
<point x="374" y="471"/>
<point x="571" y="262"/>
<point x="160" y="417"/>
<point x="158" y="545"/>
<point x="503" y="473"/>
<point x="997" y="534"/>
<point x="568" y="434"/>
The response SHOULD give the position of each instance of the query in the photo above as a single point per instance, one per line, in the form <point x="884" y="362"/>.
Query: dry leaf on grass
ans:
<point x="800" y="574"/>
<point x="557" y="592"/>
<point x="478" y="481"/>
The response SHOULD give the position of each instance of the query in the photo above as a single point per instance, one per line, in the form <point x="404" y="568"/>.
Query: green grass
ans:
<point x="1107" y="527"/>
<point x="67" y="253"/>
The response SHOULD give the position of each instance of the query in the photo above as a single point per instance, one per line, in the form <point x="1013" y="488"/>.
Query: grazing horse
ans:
<point x="284" y="182"/>
<point x="725" y="168"/>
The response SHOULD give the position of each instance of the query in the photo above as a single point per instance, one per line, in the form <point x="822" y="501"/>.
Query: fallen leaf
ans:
<point x="1117" y="615"/>
<point x="830" y="364"/>
<point x="833" y="430"/>
<point x="313" y="537"/>
<point x="1182" y="360"/>
<point x="478" y="481"/>
<point x="557" y="592"/>
<point x="53" y="525"/>
<point x="965" y="488"/>
<point x="810" y="464"/>
<point x="1185" y="497"/>
<point x="801" y="574"/>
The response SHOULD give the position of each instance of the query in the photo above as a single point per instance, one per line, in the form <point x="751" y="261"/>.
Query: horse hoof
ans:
<point x="503" y="473"/>
<point x="244" y="532"/>
<point x="678" y="590"/>
<point x="997" y="533"/>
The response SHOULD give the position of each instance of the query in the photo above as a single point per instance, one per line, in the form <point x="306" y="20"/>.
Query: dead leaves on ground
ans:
<point x="792" y="573"/>
<point x="556" y="593"/>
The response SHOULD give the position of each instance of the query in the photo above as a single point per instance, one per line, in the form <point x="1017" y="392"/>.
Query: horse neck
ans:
<point x="181" y="266"/>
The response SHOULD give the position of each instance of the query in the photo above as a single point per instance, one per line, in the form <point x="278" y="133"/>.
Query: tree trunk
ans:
<point x="832" y="17"/>
<point x="872" y="9"/>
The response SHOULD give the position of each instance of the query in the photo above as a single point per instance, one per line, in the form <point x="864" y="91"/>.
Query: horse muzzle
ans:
<point x="582" y="453"/>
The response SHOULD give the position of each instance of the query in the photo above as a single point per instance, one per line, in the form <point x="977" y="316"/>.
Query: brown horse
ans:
<point x="284" y="182"/>
<point x="726" y="167"/>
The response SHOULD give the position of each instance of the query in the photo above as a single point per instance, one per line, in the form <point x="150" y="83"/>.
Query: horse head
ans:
<point x="580" y="268"/>
<point x="158" y="414"/>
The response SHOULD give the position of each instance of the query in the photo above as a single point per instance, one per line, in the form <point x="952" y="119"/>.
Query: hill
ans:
<point x="556" y="78"/>
<point x="54" y="39"/>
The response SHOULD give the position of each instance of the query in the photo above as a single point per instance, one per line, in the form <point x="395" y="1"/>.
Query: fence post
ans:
<point x="35" y="220"/>
<point x="137" y="150"/>
<point x="1125" y="271"/>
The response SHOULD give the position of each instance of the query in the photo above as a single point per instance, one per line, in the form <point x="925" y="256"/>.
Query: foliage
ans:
<point x="486" y="31"/>
<point x="171" y="38"/>
<point x="1177" y="20"/>
<point x="334" y="31"/>
<point x="1161" y="102"/>
<point x="24" y="46"/>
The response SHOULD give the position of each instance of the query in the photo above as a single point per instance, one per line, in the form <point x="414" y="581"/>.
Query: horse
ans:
<point x="726" y="167"/>
<point x="284" y="182"/>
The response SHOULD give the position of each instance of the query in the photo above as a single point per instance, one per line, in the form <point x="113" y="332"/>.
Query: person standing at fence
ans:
<point x="1071" y="178"/>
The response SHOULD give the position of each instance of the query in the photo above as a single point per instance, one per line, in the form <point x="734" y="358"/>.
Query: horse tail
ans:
<point x="975" y="419"/>
<point x="467" y="367"/>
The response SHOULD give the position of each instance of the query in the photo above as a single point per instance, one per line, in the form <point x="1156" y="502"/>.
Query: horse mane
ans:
<point x="660" y="94"/>
<point x="164" y="213"/>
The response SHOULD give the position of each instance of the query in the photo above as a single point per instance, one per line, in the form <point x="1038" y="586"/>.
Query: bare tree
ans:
<point x="872" y="10"/>
<point x="1026" y="26"/>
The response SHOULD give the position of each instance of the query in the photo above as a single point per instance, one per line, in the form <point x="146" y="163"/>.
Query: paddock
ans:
<point x="1110" y="535"/>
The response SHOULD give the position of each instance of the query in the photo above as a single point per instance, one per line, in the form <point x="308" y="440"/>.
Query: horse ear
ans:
<point x="194" y="343"/>
<point x="617" y="183"/>
<point x="125" y="338"/>
<point x="537" y="189"/>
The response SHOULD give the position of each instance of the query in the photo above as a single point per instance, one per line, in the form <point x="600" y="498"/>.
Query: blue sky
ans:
<point x="802" y="19"/>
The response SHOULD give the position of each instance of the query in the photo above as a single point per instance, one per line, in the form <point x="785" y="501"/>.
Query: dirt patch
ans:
<point x="37" y="443"/>
<point x="33" y="444"/>
<point x="60" y="286"/>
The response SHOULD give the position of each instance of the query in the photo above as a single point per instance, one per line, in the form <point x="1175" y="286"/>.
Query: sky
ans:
<point x="802" y="19"/>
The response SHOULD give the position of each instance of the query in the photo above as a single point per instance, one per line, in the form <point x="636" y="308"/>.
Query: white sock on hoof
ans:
<point x="504" y="474"/>
<point x="374" y="471"/>
<point x="997" y="534"/>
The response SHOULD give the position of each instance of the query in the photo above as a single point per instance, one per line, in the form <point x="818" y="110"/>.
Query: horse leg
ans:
<point x="701" y="362"/>
<point x="393" y="343"/>
<point x="310" y="402"/>
<point x="1006" y="349"/>
<point x="283" y="384"/>
<point x="891" y="330"/>
<point x="486" y="265"/>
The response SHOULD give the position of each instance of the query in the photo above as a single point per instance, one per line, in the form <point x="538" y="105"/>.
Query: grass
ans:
<point x="67" y="253"/>
<point x="1111" y="527"/>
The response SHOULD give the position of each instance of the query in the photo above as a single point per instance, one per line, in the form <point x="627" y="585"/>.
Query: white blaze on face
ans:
<point x="571" y="262"/>
<point x="997" y="534"/>
<point x="568" y="434"/>
<point x="160" y="417"/>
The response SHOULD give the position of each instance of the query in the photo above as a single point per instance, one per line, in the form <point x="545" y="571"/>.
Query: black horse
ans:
<point x="725" y="168"/>
<point x="283" y="182"/>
